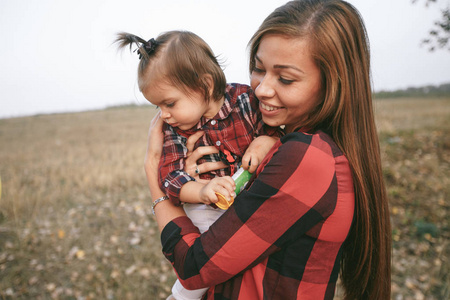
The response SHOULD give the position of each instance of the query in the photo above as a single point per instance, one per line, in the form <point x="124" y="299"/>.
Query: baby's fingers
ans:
<point x="246" y="160"/>
<point x="254" y="163"/>
<point x="229" y="196"/>
<point x="228" y="183"/>
<point x="225" y="186"/>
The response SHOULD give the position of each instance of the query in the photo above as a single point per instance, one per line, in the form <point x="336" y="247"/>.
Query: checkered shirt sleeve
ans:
<point x="282" y="237"/>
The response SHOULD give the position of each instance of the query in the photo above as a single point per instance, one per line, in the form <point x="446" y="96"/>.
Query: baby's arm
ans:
<point x="256" y="151"/>
<point x="196" y="192"/>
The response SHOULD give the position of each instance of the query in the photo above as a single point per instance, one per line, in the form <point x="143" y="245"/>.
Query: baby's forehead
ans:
<point x="161" y="88"/>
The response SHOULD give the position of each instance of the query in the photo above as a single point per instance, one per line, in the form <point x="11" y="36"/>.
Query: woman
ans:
<point x="318" y="204"/>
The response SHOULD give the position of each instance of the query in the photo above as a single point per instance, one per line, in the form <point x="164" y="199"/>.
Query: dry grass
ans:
<point x="75" y="220"/>
<point x="415" y="144"/>
<point x="75" y="208"/>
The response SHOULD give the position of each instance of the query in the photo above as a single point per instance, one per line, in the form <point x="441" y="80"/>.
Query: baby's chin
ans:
<point x="184" y="126"/>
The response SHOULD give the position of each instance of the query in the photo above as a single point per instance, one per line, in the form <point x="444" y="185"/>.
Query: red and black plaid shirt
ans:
<point x="232" y="130"/>
<point x="282" y="237"/>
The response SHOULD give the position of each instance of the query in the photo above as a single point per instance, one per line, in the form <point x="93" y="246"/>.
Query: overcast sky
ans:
<point x="58" y="56"/>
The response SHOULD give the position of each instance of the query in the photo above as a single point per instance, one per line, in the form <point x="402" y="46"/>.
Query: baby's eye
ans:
<point x="171" y="104"/>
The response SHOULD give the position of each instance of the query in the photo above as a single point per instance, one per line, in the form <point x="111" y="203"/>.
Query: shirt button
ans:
<point x="213" y="122"/>
<point x="166" y="184"/>
<point x="218" y="143"/>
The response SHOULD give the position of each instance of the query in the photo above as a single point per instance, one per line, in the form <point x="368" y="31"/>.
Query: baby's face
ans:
<point x="178" y="108"/>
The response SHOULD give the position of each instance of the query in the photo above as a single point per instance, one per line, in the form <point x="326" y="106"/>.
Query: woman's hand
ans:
<point x="153" y="155"/>
<point x="256" y="152"/>
<point x="194" y="155"/>
<point x="165" y="211"/>
<point x="155" y="141"/>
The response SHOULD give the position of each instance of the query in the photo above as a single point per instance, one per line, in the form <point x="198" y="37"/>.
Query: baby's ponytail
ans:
<point x="125" y="39"/>
<point x="145" y="49"/>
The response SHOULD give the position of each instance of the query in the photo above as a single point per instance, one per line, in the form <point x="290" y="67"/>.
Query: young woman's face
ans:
<point x="178" y="108"/>
<point x="286" y="81"/>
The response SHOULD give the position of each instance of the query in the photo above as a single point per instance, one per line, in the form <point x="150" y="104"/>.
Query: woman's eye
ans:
<point x="285" y="81"/>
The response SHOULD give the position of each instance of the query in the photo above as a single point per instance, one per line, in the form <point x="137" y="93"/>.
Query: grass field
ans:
<point x="75" y="219"/>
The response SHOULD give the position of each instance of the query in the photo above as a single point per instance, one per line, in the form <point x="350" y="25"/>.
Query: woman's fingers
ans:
<point x="153" y="154"/>
<point x="155" y="139"/>
<point x="195" y="170"/>
<point x="192" y="170"/>
<point x="192" y="140"/>
<point x="191" y="160"/>
<point x="211" y="166"/>
<point x="202" y="151"/>
<point x="156" y="124"/>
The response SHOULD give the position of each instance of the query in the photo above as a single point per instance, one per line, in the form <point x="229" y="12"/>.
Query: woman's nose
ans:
<point x="265" y="88"/>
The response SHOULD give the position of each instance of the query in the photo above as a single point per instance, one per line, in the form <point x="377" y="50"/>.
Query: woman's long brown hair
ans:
<point x="340" y="48"/>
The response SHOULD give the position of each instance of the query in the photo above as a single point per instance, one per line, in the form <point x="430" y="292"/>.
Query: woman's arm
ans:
<point x="290" y="187"/>
<point x="165" y="211"/>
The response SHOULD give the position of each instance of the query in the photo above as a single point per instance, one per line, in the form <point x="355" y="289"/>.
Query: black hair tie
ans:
<point x="149" y="47"/>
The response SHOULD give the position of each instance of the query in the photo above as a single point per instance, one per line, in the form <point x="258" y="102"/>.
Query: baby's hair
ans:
<point x="180" y="57"/>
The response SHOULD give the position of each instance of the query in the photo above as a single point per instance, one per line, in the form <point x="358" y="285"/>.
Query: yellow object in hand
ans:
<point x="223" y="203"/>
<point x="241" y="178"/>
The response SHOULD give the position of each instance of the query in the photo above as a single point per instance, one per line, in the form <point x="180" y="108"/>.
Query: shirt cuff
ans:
<point x="174" y="231"/>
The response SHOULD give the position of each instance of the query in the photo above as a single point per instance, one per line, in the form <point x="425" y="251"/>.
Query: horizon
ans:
<point x="390" y="96"/>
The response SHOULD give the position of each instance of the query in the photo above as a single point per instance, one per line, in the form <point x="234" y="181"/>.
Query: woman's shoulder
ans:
<point x="317" y="140"/>
<point x="291" y="148"/>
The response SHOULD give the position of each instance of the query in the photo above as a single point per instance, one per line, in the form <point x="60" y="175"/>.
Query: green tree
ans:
<point x="439" y="35"/>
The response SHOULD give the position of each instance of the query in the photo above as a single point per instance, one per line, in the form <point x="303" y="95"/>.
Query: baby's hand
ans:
<point x="223" y="185"/>
<point x="256" y="152"/>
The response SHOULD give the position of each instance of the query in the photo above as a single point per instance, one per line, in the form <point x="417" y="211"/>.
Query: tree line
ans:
<point x="439" y="35"/>
<point x="427" y="91"/>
